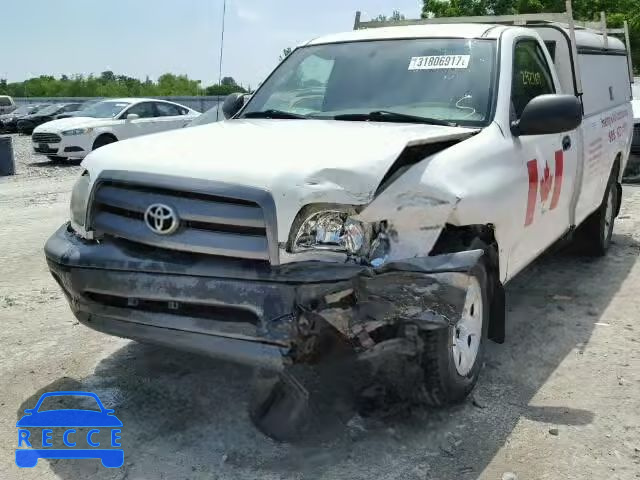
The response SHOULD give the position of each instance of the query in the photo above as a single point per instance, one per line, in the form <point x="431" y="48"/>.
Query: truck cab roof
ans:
<point x="585" y="37"/>
<point x="459" y="30"/>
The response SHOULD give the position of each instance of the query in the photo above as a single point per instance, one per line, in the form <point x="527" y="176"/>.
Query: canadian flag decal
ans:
<point x="545" y="183"/>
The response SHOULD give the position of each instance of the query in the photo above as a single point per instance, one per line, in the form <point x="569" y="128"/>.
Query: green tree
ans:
<point x="223" y="89"/>
<point x="229" y="81"/>
<point x="396" y="16"/>
<point x="585" y="10"/>
<point x="108" y="84"/>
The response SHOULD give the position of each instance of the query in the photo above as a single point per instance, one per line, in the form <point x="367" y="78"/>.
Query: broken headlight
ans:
<point x="79" y="199"/>
<point x="336" y="230"/>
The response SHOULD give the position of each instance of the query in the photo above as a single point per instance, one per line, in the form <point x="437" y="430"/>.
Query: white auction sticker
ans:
<point x="435" y="62"/>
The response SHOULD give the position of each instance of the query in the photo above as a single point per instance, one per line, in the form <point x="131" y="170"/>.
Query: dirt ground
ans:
<point x="559" y="400"/>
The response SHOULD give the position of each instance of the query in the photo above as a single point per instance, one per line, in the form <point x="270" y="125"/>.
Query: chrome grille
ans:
<point x="45" y="138"/>
<point x="208" y="223"/>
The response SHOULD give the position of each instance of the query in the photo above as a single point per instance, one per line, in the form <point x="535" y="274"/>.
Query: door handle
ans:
<point x="566" y="143"/>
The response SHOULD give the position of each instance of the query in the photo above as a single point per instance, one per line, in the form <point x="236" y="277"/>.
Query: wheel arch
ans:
<point x="455" y="238"/>
<point x="109" y="135"/>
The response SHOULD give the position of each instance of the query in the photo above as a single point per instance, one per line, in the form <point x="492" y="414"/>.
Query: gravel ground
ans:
<point x="559" y="400"/>
<point x="31" y="166"/>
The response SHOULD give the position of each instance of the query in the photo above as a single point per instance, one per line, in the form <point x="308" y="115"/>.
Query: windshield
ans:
<point x="49" y="110"/>
<point x="88" y="104"/>
<point x="105" y="109"/>
<point x="210" y="116"/>
<point x="445" y="79"/>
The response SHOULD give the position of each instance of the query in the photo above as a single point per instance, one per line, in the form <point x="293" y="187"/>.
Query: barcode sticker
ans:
<point x="435" y="62"/>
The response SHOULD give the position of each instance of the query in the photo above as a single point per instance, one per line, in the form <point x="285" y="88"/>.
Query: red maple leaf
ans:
<point x="545" y="183"/>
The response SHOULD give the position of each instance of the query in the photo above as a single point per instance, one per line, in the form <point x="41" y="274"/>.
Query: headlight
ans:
<point x="79" y="198"/>
<point x="77" y="131"/>
<point x="336" y="230"/>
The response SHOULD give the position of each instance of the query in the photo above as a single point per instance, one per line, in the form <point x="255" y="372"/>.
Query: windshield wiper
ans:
<point x="271" y="113"/>
<point x="388" y="116"/>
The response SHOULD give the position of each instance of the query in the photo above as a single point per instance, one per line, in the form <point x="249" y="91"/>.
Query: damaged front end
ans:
<point x="359" y="344"/>
<point x="382" y="305"/>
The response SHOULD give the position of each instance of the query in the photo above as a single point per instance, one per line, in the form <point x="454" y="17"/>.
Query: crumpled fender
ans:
<point x="427" y="292"/>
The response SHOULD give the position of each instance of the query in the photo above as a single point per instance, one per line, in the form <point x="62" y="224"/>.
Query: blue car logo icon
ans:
<point x="69" y="424"/>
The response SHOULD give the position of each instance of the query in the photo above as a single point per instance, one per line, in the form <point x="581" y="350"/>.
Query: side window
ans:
<point x="143" y="110"/>
<point x="167" y="110"/>
<point x="531" y="75"/>
<point x="551" y="47"/>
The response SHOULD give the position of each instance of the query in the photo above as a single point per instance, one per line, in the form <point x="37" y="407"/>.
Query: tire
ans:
<point x="55" y="158"/>
<point x="103" y="140"/>
<point x="452" y="357"/>
<point x="593" y="237"/>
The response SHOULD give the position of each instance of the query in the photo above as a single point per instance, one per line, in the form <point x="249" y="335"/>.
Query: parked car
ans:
<point x="107" y="122"/>
<point x="28" y="123"/>
<point x="7" y="105"/>
<point x="375" y="216"/>
<point x="9" y="121"/>
<point x="79" y="112"/>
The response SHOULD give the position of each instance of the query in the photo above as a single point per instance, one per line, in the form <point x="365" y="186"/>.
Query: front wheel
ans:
<point x="452" y="356"/>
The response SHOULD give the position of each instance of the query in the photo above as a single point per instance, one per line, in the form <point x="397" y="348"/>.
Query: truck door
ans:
<point x="548" y="161"/>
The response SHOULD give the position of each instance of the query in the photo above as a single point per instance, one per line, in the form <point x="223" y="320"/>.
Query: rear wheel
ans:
<point x="594" y="235"/>
<point x="452" y="356"/>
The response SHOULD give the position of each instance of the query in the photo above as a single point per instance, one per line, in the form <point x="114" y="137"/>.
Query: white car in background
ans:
<point x="107" y="122"/>
<point x="7" y="105"/>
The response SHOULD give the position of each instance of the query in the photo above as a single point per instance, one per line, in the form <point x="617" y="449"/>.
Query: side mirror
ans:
<point x="232" y="104"/>
<point x="29" y="411"/>
<point x="547" y="114"/>
<point x="132" y="116"/>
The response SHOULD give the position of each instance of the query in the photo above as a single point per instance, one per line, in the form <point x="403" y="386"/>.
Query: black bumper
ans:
<point x="247" y="311"/>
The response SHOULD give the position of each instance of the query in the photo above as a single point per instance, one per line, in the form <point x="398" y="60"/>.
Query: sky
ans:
<point x="152" y="37"/>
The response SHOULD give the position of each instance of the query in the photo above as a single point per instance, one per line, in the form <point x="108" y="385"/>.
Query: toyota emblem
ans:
<point x="161" y="219"/>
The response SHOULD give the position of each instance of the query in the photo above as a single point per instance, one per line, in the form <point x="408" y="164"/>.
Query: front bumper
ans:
<point x="247" y="311"/>
<point x="73" y="146"/>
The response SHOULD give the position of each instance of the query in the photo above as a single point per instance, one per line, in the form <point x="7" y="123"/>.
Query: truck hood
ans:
<point x="294" y="158"/>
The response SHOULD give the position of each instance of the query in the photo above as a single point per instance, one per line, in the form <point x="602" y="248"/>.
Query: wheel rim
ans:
<point x="467" y="333"/>
<point x="608" y="216"/>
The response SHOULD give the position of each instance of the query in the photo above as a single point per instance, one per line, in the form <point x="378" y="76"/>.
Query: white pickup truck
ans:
<point x="370" y="201"/>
